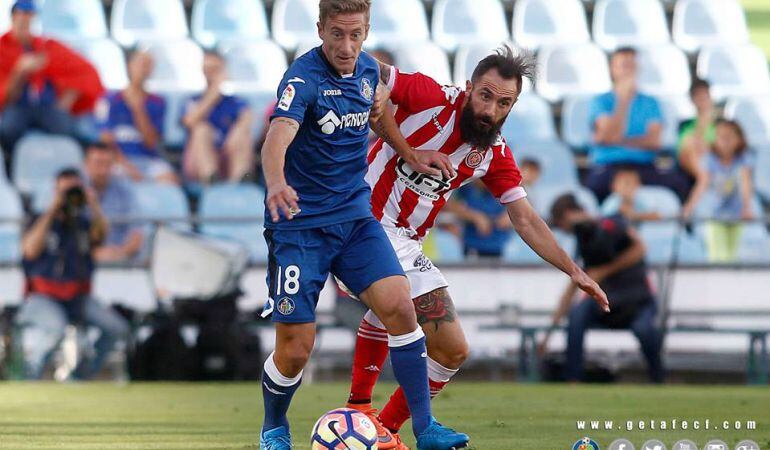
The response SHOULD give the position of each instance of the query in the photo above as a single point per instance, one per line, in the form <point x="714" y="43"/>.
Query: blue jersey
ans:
<point x="222" y="117"/>
<point x="326" y="163"/>
<point x="114" y="116"/>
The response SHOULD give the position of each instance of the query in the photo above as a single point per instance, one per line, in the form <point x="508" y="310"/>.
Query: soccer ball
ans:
<point x="344" y="429"/>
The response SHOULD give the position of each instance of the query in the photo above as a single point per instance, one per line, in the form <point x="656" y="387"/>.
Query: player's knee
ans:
<point x="292" y="359"/>
<point x="451" y="357"/>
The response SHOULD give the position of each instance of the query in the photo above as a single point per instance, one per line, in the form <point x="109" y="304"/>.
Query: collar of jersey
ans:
<point x="331" y="68"/>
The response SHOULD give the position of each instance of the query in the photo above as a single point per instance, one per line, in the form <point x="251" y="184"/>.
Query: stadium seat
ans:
<point x="73" y="19"/>
<point x="259" y="103"/>
<point x="458" y="22"/>
<point x="659" y="239"/>
<point x="107" y="57"/>
<point x="256" y="66"/>
<point x="762" y="173"/>
<point x="294" y="22"/>
<point x="734" y="70"/>
<point x="162" y="203"/>
<point x="10" y="231"/>
<point x="530" y="120"/>
<point x="516" y="251"/>
<point x="39" y="157"/>
<point x="178" y="65"/>
<point x="216" y="21"/>
<point x="662" y="200"/>
<point x="754" y="247"/>
<point x="700" y="23"/>
<point x="174" y="133"/>
<point x="576" y="129"/>
<point x="397" y="22"/>
<point x="556" y="161"/>
<point x="753" y="113"/>
<point x="3" y="175"/>
<point x="425" y="57"/>
<point x="549" y="194"/>
<point x="549" y="22"/>
<point x="671" y="120"/>
<point x="146" y="20"/>
<point x="5" y="15"/>
<point x="663" y="70"/>
<point x="306" y="46"/>
<point x="565" y="70"/>
<point x="449" y="247"/>
<point x="236" y="200"/>
<point x="621" y="23"/>
<point x="468" y="57"/>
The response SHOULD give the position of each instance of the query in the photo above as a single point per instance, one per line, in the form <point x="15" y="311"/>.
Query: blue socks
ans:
<point x="277" y="392"/>
<point x="409" y="358"/>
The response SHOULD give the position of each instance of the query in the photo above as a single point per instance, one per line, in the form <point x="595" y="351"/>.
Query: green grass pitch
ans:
<point x="497" y="416"/>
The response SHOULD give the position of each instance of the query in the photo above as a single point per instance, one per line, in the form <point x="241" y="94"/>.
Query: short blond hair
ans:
<point x="331" y="8"/>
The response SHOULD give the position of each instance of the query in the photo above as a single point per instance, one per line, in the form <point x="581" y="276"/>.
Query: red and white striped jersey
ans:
<point x="428" y="115"/>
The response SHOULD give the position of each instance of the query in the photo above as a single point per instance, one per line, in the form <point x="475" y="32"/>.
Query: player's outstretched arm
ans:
<point x="280" y="196"/>
<point x="539" y="237"/>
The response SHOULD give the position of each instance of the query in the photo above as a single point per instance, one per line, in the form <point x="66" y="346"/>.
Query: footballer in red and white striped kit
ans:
<point x="464" y="125"/>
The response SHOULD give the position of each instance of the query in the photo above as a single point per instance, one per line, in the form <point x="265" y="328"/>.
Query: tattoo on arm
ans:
<point x="291" y="123"/>
<point x="382" y="132"/>
<point x="435" y="307"/>
<point x="384" y="72"/>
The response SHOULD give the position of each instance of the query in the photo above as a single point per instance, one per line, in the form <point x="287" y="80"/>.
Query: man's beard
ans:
<point x="473" y="133"/>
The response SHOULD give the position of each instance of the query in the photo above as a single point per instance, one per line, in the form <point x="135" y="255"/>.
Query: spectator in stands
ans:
<point x="624" y="200"/>
<point x="614" y="257"/>
<point x="531" y="171"/>
<point x="132" y="121"/>
<point x="220" y="141"/>
<point x="725" y="177"/>
<point x="696" y="136"/>
<point x="58" y="265"/>
<point x="487" y="226"/>
<point x="43" y="84"/>
<point x="627" y="127"/>
<point x="124" y="241"/>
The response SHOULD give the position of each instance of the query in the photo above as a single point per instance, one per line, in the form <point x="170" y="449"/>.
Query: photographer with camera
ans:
<point x="58" y="265"/>
<point x="613" y="255"/>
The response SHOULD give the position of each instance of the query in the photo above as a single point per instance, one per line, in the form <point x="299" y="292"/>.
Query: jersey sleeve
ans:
<point x="599" y="107"/>
<point x="503" y="179"/>
<point x="417" y="92"/>
<point x="104" y="114"/>
<point x="296" y="93"/>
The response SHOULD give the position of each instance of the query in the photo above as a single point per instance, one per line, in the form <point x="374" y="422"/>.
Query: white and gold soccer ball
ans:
<point x="344" y="429"/>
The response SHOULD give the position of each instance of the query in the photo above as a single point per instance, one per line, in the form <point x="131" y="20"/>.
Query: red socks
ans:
<point x="396" y="412"/>
<point x="370" y="354"/>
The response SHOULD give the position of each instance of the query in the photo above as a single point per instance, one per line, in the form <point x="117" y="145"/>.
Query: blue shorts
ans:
<point x="358" y="253"/>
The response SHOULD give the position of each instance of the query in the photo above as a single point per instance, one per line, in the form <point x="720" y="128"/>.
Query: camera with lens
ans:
<point x="74" y="201"/>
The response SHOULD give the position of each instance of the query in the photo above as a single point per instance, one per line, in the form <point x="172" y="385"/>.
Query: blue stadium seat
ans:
<point x="516" y="251"/>
<point x="178" y="65"/>
<point x="425" y="57"/>
<point x="620" y="23"/>
<point x="135" y="20"/>
<point x="567" y="69"/>
<point x="174" y="133"/>
<point x="530" y="120"/>
<point x="397" y="22"/>
<point x="734" y="70"/>
<point x="700" y="23"/>
<point x="652" y="198"/>
<point x="671" y="120"/>
<point x="73" y="19"/>
<point x="754" y="247"/>
<point x="659" y="238"/>
<point x="548" y="194"/>
<point x="449" y="247"/>
<point x="162" y="203"/>
<point x="255" y="66"/>
<point x="216" y="21"/>
<point x="3" y="175"/>
<point x="692" y="249"/>
<point x="38" y="157"/>
<point x="107" y="57"/>
<point x="556" y="161"/>
<point x="753" y="113"/>
<point x="549" y="22"/>
<point x="10" y="233"/>
<point x="468" y="57"/>
<point x="294" y="22"/>
<point x="458" y="22"/>
<point x="576" y="128"/>
<point x="5" y="15"/>
<point x="663" y="70"/>
<point x="762" y="173"/>
<point x="306" y="46"/>
<point x="259" y="102"/>
<point x="234" y="200"/>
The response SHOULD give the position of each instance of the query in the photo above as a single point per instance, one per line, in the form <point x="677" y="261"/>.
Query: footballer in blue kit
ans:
<point x="319" y="220"/>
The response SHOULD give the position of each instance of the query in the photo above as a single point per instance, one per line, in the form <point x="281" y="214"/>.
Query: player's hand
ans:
<point x="31" y="63"/>
<point x="433" y="163"/>
<point x="282" y="197"/>
<point x="590" y="287"/>
<point x="380" y="105"/>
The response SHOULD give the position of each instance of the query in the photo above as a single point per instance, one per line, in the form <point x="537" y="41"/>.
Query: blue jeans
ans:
<point x="42" y="321"/>
<point x="587" y="314"/>
<point x="18" y="119"/>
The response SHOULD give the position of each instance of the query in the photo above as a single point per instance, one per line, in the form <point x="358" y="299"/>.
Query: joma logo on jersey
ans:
<point x="330" y="122"/>
<point x="422" y="184"/>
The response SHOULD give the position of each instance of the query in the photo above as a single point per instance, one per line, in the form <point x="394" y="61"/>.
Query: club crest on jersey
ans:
<point x="474" y="159"/>
<point x="285" y="306"/>
<point x="422" y="184"/>
<point x="366" y="89"/>
<point x="287" y="98"/>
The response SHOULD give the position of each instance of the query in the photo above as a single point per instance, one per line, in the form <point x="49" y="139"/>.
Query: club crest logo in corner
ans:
<point x="585" y="444"/>
<point x="285" y="306"/>
<point x="366" y="89"/>
<point x="474" y="159"/>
